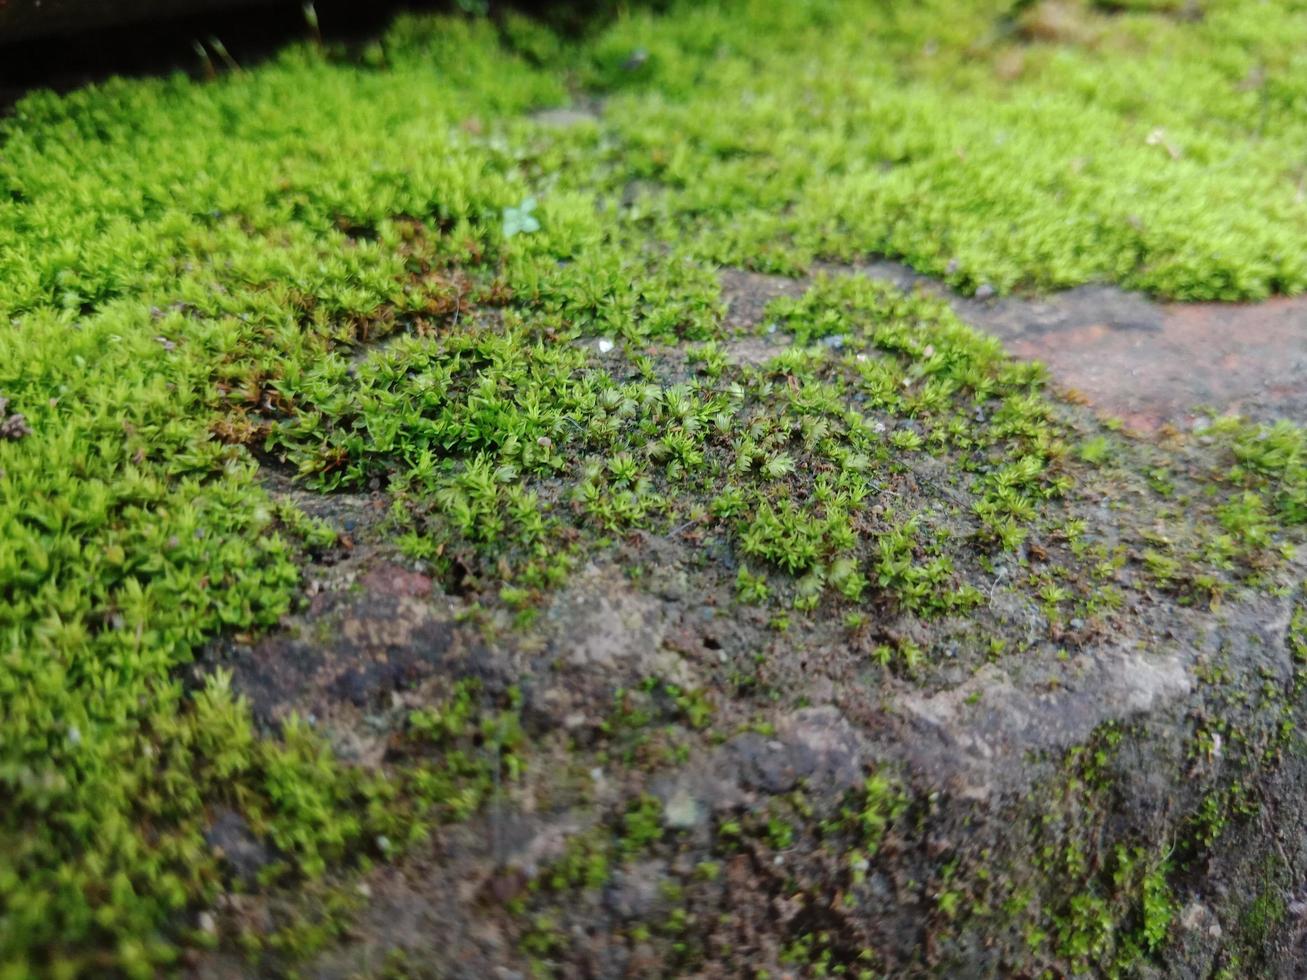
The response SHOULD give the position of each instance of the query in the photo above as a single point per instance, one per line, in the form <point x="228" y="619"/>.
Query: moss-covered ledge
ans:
<point x="413" y="558"/>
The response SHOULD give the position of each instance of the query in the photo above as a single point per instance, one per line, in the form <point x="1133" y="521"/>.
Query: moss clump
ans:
<point x="1144" y="149"/>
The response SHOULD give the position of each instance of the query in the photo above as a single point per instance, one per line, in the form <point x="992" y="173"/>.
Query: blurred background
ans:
<point x="61" y="44"/>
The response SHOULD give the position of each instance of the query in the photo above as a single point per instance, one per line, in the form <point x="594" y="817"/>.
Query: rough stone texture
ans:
<point x="1149" y="364"/>
<point x="983" y="750"/>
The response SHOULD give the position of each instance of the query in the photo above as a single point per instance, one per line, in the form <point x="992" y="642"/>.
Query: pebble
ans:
<point x="682" y="812"/>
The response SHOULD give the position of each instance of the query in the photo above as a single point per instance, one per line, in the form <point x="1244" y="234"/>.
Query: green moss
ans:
<point x="195" y="276"/>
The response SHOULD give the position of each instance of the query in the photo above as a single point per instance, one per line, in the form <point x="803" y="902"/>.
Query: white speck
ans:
<point x="207" y="923"/>
<point x="74" y="735"/>
<point x="597" y="774"/>
<point x="605" y="345"/>
<point x="682" y="811"/>
<point x="383" y="843"/>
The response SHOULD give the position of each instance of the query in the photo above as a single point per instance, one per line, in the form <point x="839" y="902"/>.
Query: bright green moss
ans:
<point x="1156" y="152"/>
<point x="191" y="273"/>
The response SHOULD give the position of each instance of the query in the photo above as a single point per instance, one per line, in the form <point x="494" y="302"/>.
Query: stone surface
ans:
<point x="761" y="811"/>
<point x="1149" y="364"/>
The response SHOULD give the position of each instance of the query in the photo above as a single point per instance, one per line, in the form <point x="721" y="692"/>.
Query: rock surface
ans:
<point x="707" y="796"/>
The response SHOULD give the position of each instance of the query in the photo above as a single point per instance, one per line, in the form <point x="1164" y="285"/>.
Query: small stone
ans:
<point x="985" y="291"/>
<point x="604" y="345"/>
<point x="682" y="812"/>
<point x="14" y="427"/>
<point x="207" y="923"/>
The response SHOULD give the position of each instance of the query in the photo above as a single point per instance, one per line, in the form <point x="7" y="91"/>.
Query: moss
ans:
<point x="1260" y="918"/>
<point x="387" y="275"/>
